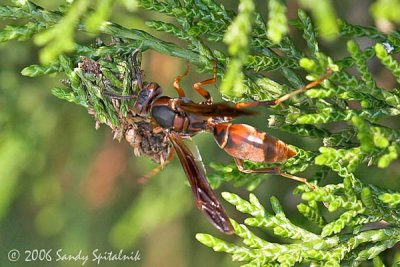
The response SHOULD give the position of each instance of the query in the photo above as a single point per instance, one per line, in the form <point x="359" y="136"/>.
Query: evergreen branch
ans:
<point x="20" y="33"/>
<point x="277" y="23"/>
<point x="360" y="31"/>
<point x="325" y="17"/>
<point x="386" y="10"/>
<point x="236" y="37"/>
<point x="388" y="61"/>
<point x="308" y="32"/>
<point x="320" y="249"/>
<point x="60" y="38"/>
<point x="94" y="71"/>
<point x="392" y="199"/>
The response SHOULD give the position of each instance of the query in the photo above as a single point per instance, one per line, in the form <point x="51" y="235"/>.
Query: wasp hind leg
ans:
<point x="239" y="164"/>
<point x="287" y="96"/>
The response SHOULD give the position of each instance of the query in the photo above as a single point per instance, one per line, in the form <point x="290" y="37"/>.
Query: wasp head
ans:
<point x="146" y="96"/>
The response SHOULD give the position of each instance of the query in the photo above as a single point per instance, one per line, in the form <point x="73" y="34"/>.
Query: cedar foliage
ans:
<point x="254" y="48"/>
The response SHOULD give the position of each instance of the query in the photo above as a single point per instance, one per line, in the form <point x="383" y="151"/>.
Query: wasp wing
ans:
<point x="215" y="110"/>
<point x="206" y="199"/>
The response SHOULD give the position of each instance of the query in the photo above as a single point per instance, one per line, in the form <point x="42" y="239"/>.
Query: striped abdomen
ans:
<point x="246" y="142"/>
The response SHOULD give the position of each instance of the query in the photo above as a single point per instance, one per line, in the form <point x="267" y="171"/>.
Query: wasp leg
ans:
<point x="285" y="97"/>
<point x="239" y="164"/>
<point x="203" y="92"/>
<point x="178" y="79"/>
<point x="134" y="62"/>
<point x="112" y="92"/>
<point x="121" y="97"/>
<point x="145" y="178"/>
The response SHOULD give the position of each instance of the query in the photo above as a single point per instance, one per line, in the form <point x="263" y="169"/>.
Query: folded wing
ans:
<point x="206" y="199"/>
<point x="215" y="110"/>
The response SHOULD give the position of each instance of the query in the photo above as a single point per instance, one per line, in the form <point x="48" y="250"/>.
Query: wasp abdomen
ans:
<point x="246" y="142"/>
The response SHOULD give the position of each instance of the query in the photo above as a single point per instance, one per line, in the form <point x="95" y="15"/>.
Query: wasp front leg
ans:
<point x="203" y="92"/>
<point x="178" y="79"/>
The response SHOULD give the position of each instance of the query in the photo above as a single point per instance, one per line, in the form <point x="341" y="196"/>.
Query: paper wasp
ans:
<point x="179" y="118"/>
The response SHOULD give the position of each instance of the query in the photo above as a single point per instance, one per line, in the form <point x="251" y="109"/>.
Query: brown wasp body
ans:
<point x="180" y="118"/>
<point x="243" y="141"/>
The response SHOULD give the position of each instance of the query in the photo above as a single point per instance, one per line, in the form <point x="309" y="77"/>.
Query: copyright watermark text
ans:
<point x="52" y="255"/>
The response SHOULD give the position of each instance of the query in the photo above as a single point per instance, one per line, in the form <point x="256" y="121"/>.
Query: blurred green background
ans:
<point x="65" y="185"/>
